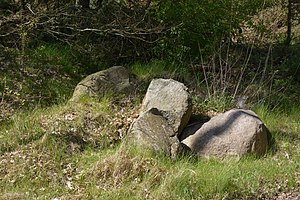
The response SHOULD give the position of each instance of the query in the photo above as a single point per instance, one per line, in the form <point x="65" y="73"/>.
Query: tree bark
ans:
<point x="289" y="24"/>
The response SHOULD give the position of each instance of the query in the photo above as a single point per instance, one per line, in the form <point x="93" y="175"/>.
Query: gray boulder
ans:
<point x="172" y="99"/>
<point x="234" y="133"/>
<point x="115" y="79"/>
<point x="152" y="130"/>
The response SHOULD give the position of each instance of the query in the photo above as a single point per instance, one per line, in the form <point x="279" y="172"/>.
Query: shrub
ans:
<point x="196" y="28"/>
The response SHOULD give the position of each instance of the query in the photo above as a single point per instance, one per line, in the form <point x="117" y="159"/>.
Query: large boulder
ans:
<point x="115" y="79"/>
<point x="172" y="99"/>
<point x="152" y="130"/>
<point x="234" y="133"/>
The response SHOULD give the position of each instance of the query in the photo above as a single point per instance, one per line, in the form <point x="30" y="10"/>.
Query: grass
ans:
<point x="42" y="148"/>
<point x="42" y="80"/>
<point x="160" y="69"/>
<point x="59" y="150"/>
<point x="53" y="154"/>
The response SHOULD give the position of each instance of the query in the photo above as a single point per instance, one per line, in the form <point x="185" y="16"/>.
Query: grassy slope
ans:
<point x="65" y="158"/>
<point x="74" y="151"/>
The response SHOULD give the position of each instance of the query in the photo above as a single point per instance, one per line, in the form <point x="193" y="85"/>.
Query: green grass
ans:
<point x="75" y="151"/>
<point x="160" y="69"/>
<point x="39" y="147"/>
<point x="44" y="79"/>
<point x="44" y="161"/>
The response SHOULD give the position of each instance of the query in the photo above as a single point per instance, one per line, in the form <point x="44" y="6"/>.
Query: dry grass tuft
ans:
<point x="121" y="168"/>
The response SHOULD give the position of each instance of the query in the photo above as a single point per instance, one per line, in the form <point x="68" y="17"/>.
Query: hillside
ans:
<point x="53" y="148"/>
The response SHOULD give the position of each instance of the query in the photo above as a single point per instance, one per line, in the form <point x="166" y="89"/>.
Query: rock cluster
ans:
<point x="163" y="125"/>
<point x="166" y="110"/>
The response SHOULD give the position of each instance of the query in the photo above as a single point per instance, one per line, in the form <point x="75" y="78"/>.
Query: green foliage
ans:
<point x="196" y="28"/>
<point x="54" y="54"/>
<point x="215" y="103"/>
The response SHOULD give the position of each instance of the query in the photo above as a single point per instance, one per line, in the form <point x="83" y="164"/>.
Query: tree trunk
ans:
<point x="289" y="24"/>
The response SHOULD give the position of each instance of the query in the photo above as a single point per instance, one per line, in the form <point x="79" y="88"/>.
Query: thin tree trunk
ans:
<point x="289" y="24"/>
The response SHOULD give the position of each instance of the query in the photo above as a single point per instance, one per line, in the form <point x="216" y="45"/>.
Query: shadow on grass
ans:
<point x="280" y="136"/>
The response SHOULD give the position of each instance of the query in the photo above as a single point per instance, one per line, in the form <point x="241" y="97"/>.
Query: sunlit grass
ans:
<point x="75" y="151"/>
<point x="159" y="69"/>
<point x="124" y="172"/>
